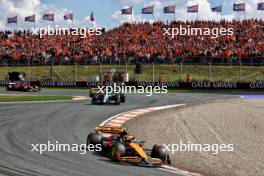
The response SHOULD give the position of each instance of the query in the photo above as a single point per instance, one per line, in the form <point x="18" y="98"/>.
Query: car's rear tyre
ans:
<point x="24" y="89"/>
<point x="158" y="152"/>
<point x="117" y="151"/>
<point x="117" y="100"/>
<point x="122" y="98"/>
<point x="91" y="94"/>
<point x="37" y="88"/>
<point x="93" y="138"/>
<point x="94" y="99"/>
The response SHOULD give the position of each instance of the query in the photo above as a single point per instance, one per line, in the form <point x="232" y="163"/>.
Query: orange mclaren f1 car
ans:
<point x="120" y="146"/>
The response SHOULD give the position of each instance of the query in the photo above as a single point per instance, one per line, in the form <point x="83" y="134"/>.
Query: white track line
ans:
<point x="178" y="171"/>
<point x="118" y="121"/>
<point x="79" y="98"/>
<point x="107" y="120"/>
<point x="175" y="172"/>
<point x="132" y="114"/>
<point x="123" y="118"/>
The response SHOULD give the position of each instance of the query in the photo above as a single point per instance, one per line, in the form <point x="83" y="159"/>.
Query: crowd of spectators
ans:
<point x="134" y="41"/>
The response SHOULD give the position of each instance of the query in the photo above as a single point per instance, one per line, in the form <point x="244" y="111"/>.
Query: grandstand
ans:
<point x="139" y="42"/>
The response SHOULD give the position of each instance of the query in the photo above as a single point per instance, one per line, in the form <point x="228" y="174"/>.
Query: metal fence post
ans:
<point x="240" y="72"/>
<point x="181" y="72"/>
<point x="210" y="71"/>
<point x="28" y="76"/>
<point x="51" y="71"/>
<point x="6" y="71"/>
<point x="76" y="72"/>
<point x="153" y="72"/>
<point x="100" y="72"/>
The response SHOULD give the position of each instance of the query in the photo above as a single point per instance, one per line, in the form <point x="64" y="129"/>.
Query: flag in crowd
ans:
<point x="92" y="17"/>
<point x="68" y="16"/>
<point x="148" y="10"/>
<point x="193" y="9"/>
<point x="169" y="9"/>
<point x="30" y="18"/>
<point x="261" y="6"/>
<point x="12" y="19"/>
<point x="127" y="11"/>
<point x="239" y="7"/>
<point x="217" y="9"/>
<point x="48" y="17"/>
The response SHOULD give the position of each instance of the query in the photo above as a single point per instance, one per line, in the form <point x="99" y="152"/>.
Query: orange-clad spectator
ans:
<point x="189" y="78"/>
<point x="141" y="40"/>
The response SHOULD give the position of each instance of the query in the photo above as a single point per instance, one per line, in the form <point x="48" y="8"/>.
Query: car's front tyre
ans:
<point x="158" y="152"/>
<point x="94" y="139"/>
<point x="117" y="151"/>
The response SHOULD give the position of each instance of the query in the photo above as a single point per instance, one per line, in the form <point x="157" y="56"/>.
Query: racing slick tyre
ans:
<point x="37" y="88"/>
<point x="117" y="99"/>
<point x="25" y="88"/>
<point x="122" y="98"/>
<point x="91" y="94"/>
<point x="95" y="99"/>
<point x="94" y="139"/>
<point x="117" y="151"/>
<point x="158" y="152"/>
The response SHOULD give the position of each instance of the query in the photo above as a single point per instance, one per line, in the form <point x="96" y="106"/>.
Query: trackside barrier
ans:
<point x="176" y="85"/>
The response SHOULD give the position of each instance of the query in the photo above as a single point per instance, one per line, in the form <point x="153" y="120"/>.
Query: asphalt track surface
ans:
<point x="69" y="122"/>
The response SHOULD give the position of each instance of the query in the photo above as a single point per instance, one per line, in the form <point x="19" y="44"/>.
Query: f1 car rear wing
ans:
<point x="112" y="130"/>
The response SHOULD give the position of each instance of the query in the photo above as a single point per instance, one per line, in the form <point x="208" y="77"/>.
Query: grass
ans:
<point x="32" y="98"/>
<point x="167" y="72"/>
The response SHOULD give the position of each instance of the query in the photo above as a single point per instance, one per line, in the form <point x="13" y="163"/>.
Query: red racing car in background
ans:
<point x="22" y="86"/>
<point x="17" y="83"/>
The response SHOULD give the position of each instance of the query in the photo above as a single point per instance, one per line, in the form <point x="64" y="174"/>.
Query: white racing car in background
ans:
<point x="106" y="97"/>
